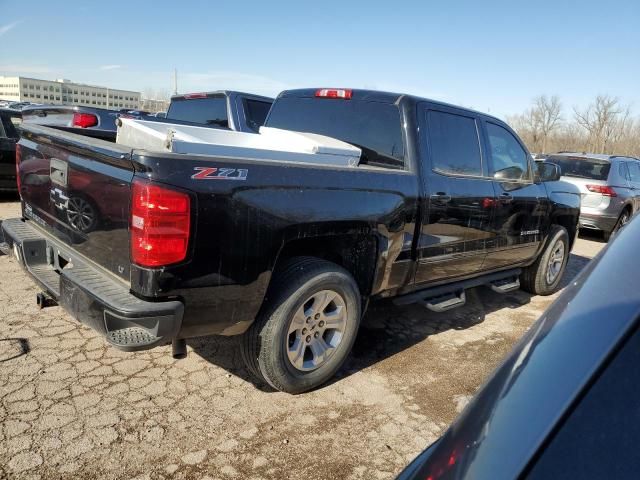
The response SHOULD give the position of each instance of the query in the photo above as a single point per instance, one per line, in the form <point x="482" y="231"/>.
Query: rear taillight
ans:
<point x="18" y="160"/>
<point x="160" y="220"/>
<point x="342" y="93"/>
<point x="602" y="189"/>
<point x="84" y="120"/>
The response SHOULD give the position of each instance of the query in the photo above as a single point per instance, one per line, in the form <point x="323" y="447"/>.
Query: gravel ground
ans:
<point x="73" y="408"/>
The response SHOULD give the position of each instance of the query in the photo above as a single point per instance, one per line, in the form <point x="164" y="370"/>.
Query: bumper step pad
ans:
<point x="131" y="337"/>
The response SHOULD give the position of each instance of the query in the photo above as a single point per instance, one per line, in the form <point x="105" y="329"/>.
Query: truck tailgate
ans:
<point x="78" y="189"/>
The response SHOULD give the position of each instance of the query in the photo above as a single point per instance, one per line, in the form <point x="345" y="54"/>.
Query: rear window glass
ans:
<point x="371" y="126"/>
<point x="256" y="113"/>
<point x="207" y="111"/>
<point x="582" y="167"/>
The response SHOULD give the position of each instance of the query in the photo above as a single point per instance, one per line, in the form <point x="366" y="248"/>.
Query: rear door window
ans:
<point x="256" y="113"/>
<point x="206" y="111"/>
<point x="454" y="144"/>
<point x="623" y="171"/>
<point x="634" y="171"/>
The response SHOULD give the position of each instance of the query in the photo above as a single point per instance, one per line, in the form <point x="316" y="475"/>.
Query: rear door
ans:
<point x="456" y="224"/>
<point x="520" y="220"/>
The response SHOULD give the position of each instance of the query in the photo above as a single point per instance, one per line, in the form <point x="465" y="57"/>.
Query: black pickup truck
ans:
<point x="288" y="255"/>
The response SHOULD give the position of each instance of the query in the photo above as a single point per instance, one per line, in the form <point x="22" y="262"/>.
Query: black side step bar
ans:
<point x="446" y="297"/>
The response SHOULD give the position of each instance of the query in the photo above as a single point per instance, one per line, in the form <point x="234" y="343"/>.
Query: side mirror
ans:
<point x="513" y="173"/>
<point x="548" y="172"/>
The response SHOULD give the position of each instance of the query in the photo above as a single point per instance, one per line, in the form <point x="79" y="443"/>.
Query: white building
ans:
<point x="65" y="92"/>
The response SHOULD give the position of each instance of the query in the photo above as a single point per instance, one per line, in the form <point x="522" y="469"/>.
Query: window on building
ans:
<point x="46" y="97"/>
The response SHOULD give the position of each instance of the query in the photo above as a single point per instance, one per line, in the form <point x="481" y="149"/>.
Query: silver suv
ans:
<point x="609" y="186"/>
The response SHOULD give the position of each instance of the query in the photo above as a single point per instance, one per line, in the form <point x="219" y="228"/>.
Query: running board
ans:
<point x="445" y="302"/>
<point x="446" y="297"/>
<point x="505" y="286"/>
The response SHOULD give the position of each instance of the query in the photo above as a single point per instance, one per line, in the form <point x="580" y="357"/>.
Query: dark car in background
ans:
<point x="609" y="186"/>
<point x="9" y="120"/>
<point x="242" y="112"/>
<point x="565" y="403"/>
<point x="89" y="121"/>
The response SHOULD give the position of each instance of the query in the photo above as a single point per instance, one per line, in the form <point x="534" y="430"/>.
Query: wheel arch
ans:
<point x="356" y="253"/>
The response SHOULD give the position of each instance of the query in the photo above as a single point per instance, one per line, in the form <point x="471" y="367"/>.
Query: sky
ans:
<point x="494" y="56"/>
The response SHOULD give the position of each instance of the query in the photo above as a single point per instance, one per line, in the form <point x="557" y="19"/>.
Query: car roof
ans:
<point x="385" y="97"/>
<point x="226" y="93"/>
<point x="519" y="406"/>
<point x="595" y="156"/>
<point x="10" y="110"/>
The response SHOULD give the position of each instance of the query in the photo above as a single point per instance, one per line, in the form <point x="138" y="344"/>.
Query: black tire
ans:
<point x="534" y="279"/>
<point x="623" y="219"/>
<point x="265" y="345"/>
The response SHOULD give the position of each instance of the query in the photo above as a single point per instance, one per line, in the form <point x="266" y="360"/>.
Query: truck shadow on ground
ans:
<point x="9" y="197"/>
<point x="387" y="329"/>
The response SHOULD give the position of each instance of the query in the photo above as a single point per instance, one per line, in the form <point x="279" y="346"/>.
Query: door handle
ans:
<point x="505" y="198"/>
<point x="440" y="197"/>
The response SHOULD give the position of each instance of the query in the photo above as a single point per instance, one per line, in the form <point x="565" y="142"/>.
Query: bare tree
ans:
<point x="605" y="120"/>
<point x="547" y="112"/>
<point x="536" y="124"/>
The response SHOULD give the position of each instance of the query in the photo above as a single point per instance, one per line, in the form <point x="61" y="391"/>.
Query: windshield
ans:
<point x="582" y="167"/>
<point x="371" y="126"/>
<point x="207" y="111"/>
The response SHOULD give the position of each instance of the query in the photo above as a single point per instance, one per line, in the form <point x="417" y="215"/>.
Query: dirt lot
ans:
<point x="73" y="408"/>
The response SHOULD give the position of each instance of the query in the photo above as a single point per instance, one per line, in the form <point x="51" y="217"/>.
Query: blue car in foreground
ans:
<point x="565" y="404"/>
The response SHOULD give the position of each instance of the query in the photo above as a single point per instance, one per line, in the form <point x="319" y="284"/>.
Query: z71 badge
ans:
<point x="214" y="173"/>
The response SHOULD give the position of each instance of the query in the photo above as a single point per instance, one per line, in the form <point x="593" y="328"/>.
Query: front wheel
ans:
<point x="544" y="276"/>
<point x="307" y="326"/>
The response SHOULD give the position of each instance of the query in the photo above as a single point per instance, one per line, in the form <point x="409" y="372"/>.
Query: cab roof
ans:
<point x="383" y="97"/>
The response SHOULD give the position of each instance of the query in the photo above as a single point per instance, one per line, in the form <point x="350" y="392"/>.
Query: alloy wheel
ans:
<point x="316" y="330"/>
<point x="556" y="261"/>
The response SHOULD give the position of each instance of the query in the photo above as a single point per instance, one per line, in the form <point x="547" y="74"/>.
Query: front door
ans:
<point x="460" y="198"/>
<point x="520" y="219"/>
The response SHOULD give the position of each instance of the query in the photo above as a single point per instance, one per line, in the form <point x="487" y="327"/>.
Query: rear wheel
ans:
<point x="307" y="327"/>
<point x="544" y="276"/>
<point x="624" y="218"/>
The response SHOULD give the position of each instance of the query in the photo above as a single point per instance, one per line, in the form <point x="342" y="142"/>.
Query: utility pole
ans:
<point x="175" y="81"/>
